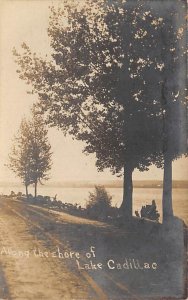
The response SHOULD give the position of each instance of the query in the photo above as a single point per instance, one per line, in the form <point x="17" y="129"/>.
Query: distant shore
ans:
<point x="107" y="184"/>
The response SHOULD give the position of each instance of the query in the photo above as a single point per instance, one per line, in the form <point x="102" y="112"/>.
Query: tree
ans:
<point x="40" y="149"/>
<point x="172" y="43"/>
<point x="20" y="155"/>
<point x="30" y="157"/>
<point x="104" y="83"/>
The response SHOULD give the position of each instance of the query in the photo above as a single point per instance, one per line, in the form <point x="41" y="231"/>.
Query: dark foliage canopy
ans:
<point x="114" y="79"/>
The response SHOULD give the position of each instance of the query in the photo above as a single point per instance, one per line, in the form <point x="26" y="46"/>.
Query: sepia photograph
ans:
<point x="93" y="150"/>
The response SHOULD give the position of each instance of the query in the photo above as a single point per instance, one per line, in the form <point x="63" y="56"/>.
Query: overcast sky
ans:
<point x="27" y="21"/>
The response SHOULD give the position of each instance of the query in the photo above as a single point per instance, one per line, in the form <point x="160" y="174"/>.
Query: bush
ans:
<point x="99" y="204"/>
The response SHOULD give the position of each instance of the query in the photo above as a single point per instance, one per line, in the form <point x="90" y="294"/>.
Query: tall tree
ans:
<point x="173" y="95"/>
<point x="104" y="83"/>
<point x="20" y="158"/>
<point x="30" y="157"/>
<point x="40" y="149"/>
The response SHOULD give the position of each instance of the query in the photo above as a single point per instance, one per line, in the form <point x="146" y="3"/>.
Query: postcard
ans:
<point x="93" y="147"/>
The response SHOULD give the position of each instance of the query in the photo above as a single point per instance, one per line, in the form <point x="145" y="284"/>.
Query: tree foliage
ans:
<point x="40" y="147"/>
<point x="30" y="157"/>
<point x="109" y="78"/>
<point x="20" y="158"/>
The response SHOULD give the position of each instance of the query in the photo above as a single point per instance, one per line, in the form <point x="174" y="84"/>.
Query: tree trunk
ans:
<point x="26" y="190"/>
<point x="167" y="188"/>
<point x="35" y="189"/>
<point x="126" y="206"/>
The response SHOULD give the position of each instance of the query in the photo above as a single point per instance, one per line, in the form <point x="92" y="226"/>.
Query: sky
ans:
<point x="27" y="21"/>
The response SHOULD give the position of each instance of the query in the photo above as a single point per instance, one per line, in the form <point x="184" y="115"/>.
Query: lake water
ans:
<point x="141" y="196"/>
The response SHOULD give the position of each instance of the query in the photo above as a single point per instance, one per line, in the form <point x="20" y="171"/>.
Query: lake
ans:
<point x="141" y="196"/>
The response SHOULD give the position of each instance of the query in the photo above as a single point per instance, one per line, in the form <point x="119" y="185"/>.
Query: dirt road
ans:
<point x="28" y="237"/>
<point x="55" y="256"/>
<point x="29" y="276"/>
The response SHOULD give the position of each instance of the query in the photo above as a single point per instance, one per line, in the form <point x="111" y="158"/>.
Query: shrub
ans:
<point x="99" y="204"/>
